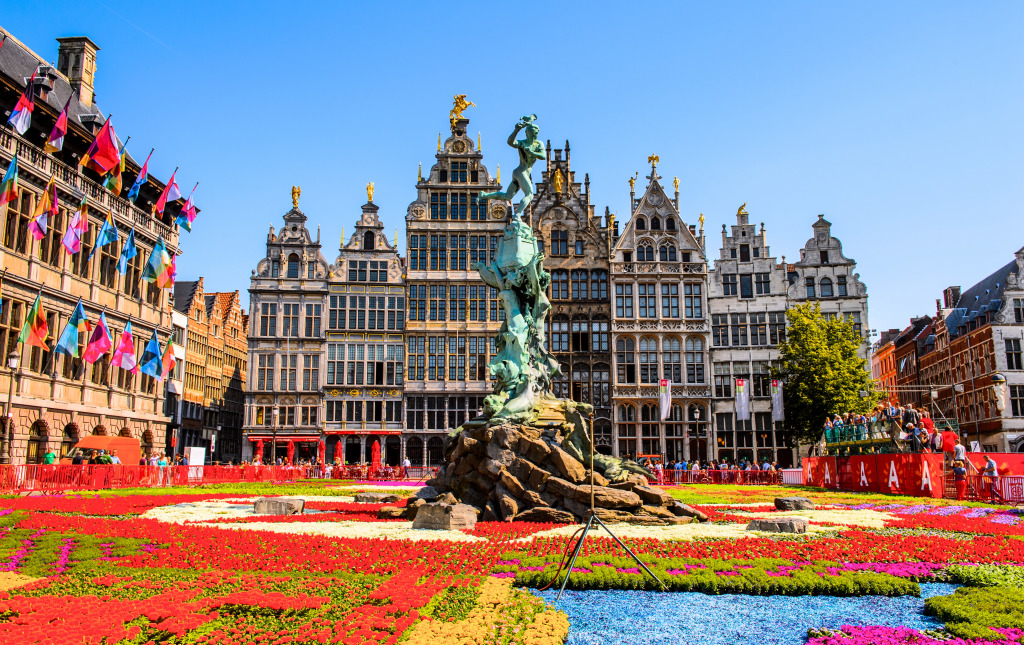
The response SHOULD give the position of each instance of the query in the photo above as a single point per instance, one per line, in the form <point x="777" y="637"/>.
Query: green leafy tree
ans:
<point x="821" y="372"/>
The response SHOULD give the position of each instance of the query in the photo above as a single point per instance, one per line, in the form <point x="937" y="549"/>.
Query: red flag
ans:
<point x="103" y="155"/>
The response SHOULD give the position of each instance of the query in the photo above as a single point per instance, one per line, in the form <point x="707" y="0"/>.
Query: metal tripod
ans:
<point x="590" y="524"/>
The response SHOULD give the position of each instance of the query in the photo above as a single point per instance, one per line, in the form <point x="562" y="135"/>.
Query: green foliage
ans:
<point x="987" y="575"/>
<point x="452" y="604"/>
<point x="85" y="551"/>
<point x="971" y="611"/>
<point x="821" y="371"/>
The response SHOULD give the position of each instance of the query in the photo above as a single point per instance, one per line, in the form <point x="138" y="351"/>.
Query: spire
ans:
<point x="419" y="173"/>
<point x="479" y="148"/>
<point x="439" y="142"/>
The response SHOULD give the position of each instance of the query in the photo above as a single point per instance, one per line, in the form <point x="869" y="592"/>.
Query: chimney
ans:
<point x="950" y="296"/>
<point x="76" y="59"/>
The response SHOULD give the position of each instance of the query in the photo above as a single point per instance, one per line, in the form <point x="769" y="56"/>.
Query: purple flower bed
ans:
<point x="877" y="635"/>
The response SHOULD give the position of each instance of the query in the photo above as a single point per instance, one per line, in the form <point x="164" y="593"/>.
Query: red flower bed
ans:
<point x="351" y="507"/>
<point x="505" y="531"/>
<point x="126" y="505"/>
<point x="299" y="519"/>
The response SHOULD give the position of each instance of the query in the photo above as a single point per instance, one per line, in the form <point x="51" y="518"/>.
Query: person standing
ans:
<point x="114" y="459"/>
<point x="960" y="480"/>
<point x="991" y="474"/>
<point x="50" y="457"/>
<point x="960" y="452"/>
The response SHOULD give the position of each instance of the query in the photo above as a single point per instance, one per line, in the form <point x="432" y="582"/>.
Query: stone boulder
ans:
<point x="427" y="494"/>
<point x="685" y="510"/>
<point x="570" y="468"/>
<point x="654" y="496"/>
<point x="609" y="497"/>
<point x="390" y="513"/>
<point x="794" y="504"/>
<point x="544" y="514"/>
<point x="376" y="498"/>
<point x="445" y="517"/>
<point x="279" y="506"/>
<point x="779" y="525"/>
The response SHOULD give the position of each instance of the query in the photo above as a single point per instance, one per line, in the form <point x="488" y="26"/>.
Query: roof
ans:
<point x="984" y="297"/>
<point x="183" y="294"/>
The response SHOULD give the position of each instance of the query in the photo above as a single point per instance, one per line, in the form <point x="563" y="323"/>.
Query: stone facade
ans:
<point x="577" y="247"/>
<point x="364" y="366"/>
<point x="660" y="330"/>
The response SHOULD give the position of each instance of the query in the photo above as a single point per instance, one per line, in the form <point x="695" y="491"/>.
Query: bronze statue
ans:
<point x="530" y="150"/>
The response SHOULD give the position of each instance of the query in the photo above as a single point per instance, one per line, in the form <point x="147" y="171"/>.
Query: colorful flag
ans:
<point x="152" y="361"/>
<point x="113" y="181"/>
<point x="188" y="212"/>
<point x="78" y="226"/>
<point x="9" y="187"/>
<point x="46" y="206"/>
<point x="100" y="343"/>
<point x="167" y="360"/>
<point x="158" y="262"/>
<point x="742" y="399"/>
<point x="124" y="354"/>
<point x="166" y="279"/>
<point x="35" y="332"/>
<point x="127" y="253"/>
<point x="778" y="411"/>
<point x="170" y="194"/>
<point x="102" y="154"/>
<point x="665" y="397"/>
<point x="56" y="141"/>
<point x="143" y="177"/>
<point x="21" y="115"/>
<point x="77" y="324"/>
<point x="107" y="234"/>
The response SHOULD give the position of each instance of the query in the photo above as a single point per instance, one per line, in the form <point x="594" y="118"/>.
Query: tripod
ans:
<point x="590" y="526"/>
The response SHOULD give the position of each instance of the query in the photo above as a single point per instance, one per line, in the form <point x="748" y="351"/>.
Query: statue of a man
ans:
<point x="530" y="150"/>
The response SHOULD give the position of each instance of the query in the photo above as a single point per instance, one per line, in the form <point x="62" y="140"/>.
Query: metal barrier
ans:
<point x="741" y="477"/>
<point x="1007" y="489"/>
<point x="793" y="476"/>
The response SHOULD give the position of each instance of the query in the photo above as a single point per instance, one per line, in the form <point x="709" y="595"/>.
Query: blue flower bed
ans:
<point x="650" y="617"/>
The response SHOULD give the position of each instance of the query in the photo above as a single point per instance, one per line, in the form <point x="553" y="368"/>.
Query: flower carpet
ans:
<point x="194" y="565"/>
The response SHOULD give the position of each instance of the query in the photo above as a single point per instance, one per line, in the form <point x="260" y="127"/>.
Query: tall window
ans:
<point x="599" y="338"/>
<point x="458" y="252"/>
<point x="108" y="265"/>
<point x="694" y="303"/>
<point x="809" y="283"/>
<point x="1013" y="354"/>
<point x="312" y="321"/>
<point x="667" y="253"/>
<point x="559" y="284"/>
<point x="439" y="205"/>
<point x="645" y="253"/>
<point x="650" y="431"/>
<point x="776" y="327"/>
<point x="723" y="380"/>
<point x="396" y="313"/>
<point x="16" y="230"/>
<point x="648" y="300"/>
<point x="477" y="358"/>
<point x="624" y="300"/>
<point x="50" y="249"/>
<point x="1017" y="400"/>
<point x="478" y="302"/>
<point x="417" y="252"/>
<point x="826" y="288"/>
<point x="599" y="284"/>
<point x="1018" y="309"/>
<point x="694" y="360"/>
<point x="670" y="300"/>
<point x="580" y="334"/>
<point x="289" y="369"/>
<point x="268" y="319"/>
<point x="310" y="372"/>
<point x="133" y="275"/>
<point x="437" y="302"/>
<point x="290" y="320"/>
<point x="720" y="330"/>
<point x="265" y="372"/>
<point x="758" y="329"/>
<point x="81" y="262"/>
<point x="738" y="329"/>
<point x="435" y="358"/>
<point x="560" y="384"/>
<point x="336" y="312"/>
<point x="559" y="242"/>
<point x="625" y="360"/>
<point x="417" y="302"/>
<point x="655" y="223"/>
<point x="416" y="352"/>
<point x="841" y="285"/>
<point x="763" y="283"/>
<point x="746" y="285"/>
<point x="581" y="383"/>
<point x="602" y="385"/>
<point x="457" y="358"/>
<point x="580" y="284"/>
<point x="729" y="284"/>
<point x="672" y="359"/>
<point x="335" y="364"/>
<point x="293" y="266"/>
<point x="560" y="334"/>
<point x="648" y="360"/>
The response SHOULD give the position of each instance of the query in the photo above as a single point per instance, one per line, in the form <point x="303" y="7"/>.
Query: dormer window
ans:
<point x="744" y="253"/>
<point x="368" y="241"/>
<point x="824" y="257"/>
<point x="655" y="223"/>
<point x="670" y="224"/>
<point x="293" y="266"/>
<point x="641" y="224"/>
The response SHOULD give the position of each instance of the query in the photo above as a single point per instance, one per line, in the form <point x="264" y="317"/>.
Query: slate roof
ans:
<point x="984" y="297"/>
<point x="183" y="294"/>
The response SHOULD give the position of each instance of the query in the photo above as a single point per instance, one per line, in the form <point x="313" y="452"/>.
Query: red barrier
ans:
<point x="821" y="471"/>
<point x="739" y="477"/>
<point x="919" y="475"/>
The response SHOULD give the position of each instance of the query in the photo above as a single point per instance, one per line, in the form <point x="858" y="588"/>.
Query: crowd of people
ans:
<point x="914" y="426"/>
<point x="714" y="470"/>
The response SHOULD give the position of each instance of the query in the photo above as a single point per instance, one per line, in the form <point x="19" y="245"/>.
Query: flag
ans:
<point x="113" y="181"/>
<point x="665" y="396"/>
<point x="152" y="362"/>
<point x="21" y="115"/>
<point x="742" y="399"/>
<point x="46" y="206"/>
<point x="158" y="262"/>
<point x="55" y="143"/>
<point x="9" y="186"/>
<point x="107" y="234"/>
<point x="170" y="194"/>
<point x="77" y="324"/>
<point x="167" y="360"/>
<point x="100" y="343"/>
<point x="142" y="178"/>
<point x="34" y="332"/>
<point x="778" y="412"/>
<point x="102" y="154"/>
<point x="124" y="354"/>
<point x="78" y="226"/>
<point x="188" y="213"/>
<point x="127" y="253"/>
<point x="166" y="279"/>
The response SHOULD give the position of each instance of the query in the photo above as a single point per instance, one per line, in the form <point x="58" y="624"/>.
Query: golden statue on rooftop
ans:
<point x="558" y="181"/>
<point x="296" y="193"/>
<point x="653" y="159"/>
<point x="369" y="192"/>
<point x="458" y="107"/>
<point x="742" y="209"/>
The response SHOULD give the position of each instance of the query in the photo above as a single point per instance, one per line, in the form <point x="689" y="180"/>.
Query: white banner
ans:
<point x="778" y="412"/>
<point x="665" y="394"/>
<point x="742" y="399"/>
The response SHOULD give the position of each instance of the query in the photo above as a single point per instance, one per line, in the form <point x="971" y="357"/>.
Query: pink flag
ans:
<point x="124" y="354"/>
<point x="100" y="343"/>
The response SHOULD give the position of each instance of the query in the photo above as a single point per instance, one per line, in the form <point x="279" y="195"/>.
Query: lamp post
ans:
<point x="5" y="439"/>
<point x="273" y="454"/>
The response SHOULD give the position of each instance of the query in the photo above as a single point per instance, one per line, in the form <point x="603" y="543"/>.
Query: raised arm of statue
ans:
<point x="530" y="150"/>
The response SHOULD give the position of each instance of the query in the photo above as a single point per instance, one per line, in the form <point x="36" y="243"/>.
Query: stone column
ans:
<point x="362" y="448"/>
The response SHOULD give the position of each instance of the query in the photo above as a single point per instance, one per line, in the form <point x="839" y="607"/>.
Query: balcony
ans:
<point x="656" y="268"/>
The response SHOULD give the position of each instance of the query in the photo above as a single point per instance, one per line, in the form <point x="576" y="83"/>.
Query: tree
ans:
<point x="821" y="372"/>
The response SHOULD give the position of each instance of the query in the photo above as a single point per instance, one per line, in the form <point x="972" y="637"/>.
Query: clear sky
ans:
<point x="900" y="121"/>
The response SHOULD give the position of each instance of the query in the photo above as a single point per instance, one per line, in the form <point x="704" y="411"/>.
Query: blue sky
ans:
<point x="901" y="122"/>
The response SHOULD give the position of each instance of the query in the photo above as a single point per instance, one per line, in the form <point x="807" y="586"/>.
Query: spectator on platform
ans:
<point x="960" y="452"/>
<point x="991" y="475"/>
<point x="960" y="480"/>
<point x="50" y="457"/>
<point x="114" y="459"/>
<point x="143" y="460"/>
<point x="926" y="422"/>
<point x="910" y="415"/>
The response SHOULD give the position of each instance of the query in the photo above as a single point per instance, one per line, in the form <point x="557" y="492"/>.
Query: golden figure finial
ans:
<point x="701" y="220"/>
<point x="742" y="209"/>
<point x="296" y="193"/>
<point x="419" y="173"/>
<point x="653" y="159"/>
<point x="479" y="148"/>
<point x="675" y="182"/>
<point x="369" y="192"/>
<point x="557" y="181"/>
<point x="458" y="106"/>
<point x="632" y="182"/>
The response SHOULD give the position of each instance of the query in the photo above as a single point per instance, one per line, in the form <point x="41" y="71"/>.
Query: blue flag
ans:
<point x="107" y="234"/>
<point x="152" y="360"/>
<point x="143" y="177"/>
<point x="127" y="253"/>
<point x="77" y="324"/>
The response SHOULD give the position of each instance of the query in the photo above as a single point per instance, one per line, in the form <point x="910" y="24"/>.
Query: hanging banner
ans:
<point x="778" y="413"/>
<point x="665" y="395"/>
<point x="742" y="399"/>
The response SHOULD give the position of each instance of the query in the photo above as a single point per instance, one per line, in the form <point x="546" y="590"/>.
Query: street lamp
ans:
<point x="273" y="454"/>
<point x="5" y="439"/>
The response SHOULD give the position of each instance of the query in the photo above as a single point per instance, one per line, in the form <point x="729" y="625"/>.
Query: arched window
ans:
<point x="625" y="360"/>
<point x="70" y="437"/>
<point x="667" y="253"/>
<point x="435" y="451"/>
<point x="560" y="384"/>
<point x="648" y="360"/>
<point x="641" y="224"/>
<point x="36" y="443"/>
<point x="581" y="383"/>
<point x="696" y="413"/>
<point x="599" y="284"/>
<point x="672" y="359"/>
<point x="560" y="333"/>
<point x="602" y="384"/>
<point x="125" y="432"/>
<point x="414" y="451"/>
<point x="694" y="360"/>
<point x="559" y="284"/>
<point x="603" y="436"/>
<point x="826" y="288"/>
<point x="655" y="223"/>
<point x="368" y="240"/>
<point x="627" y="413"/>
<point x="645" y="253"/>
<point x="670" y="223"/>
<point x="293" y="266"/>
<point x="580" y="284"/>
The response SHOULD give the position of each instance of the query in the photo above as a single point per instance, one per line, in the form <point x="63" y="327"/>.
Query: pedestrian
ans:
<point x="991" y="475"/>
<point x="114" y="459"/>
<point x="50" y="457"/>
<point x="960" y="452"/>
<point x="960" y="480"/>
<point x="78" y="459"/>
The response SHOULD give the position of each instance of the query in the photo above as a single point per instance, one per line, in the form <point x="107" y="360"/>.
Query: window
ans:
<point x="417" y="302"/>
<point x="393" y="411"/>
<point x="599" y="339"/>
<point x="310" y="372"/>
<point x="275" y="268"/>
<point x="738" y="330"/>
<point x="1018" y="309"/>
<point x="81" y="262"/>
<point x="720" y="330"/>
<point x="762" y="380"/>
<point x="478" y="358"/>
<point x="824" y="256"/>
<point x="311" y="271"/>
<point x="744" y="253"/>
<point x="648" y="360"/>
<point x="655" y="223"/>
<point x="580" y="284"/>
<point x="435" y="413"/>
<point x="268" y="319"/>
<point x="437" y="302"/>
<point x="758" y="329"/>
<point x="108" y="265"/>
<point x="133" y="275"/>
<point x="580" y="334"/>
<point x="746" y="286"/>
<point x="50" y="248"/>
<point x="336" y="312"/>
<point x="641" y="224"/>
<point x="841" y="285"/>
<point x="560" y="334"/>
<point x="293" y="266"/>
<point x="694" y="360"/>
<point x="312" y="321"/>
<point x="438" y="253"/>
<point x="624" y="300"/>
<point x="1017" y="400"/>
<point x="559" y="242"/>
<point x="670" y="224"/>
<point x="417" y="252"/>
<point x="264" y="415"/>
<point x="694" y="306"/>
<point x="650" y="430"/>
<point x="672" y="360"/>
<point x="777" y="327"/>
<point x="458" y="252"/>
<point x="762" y="283"/>
<point x="16" y="230"/>
<point x="1013" y="354"/>
<point x="290" y="320"/>
<point x="559" y="285"/>
<point x="435" y="358"/>
<point x="723" y="380"/>
<point x="396" y="313"/>
<point x="729" y="284"/>
<point x="457" y="358"/>
<point x="602" y="385"/>
<point x="645" y="253"/>
<point x="289" y="367"/>
<point x="416" y="351"/>
<point x="581" y="383"/>
<point x="414" y="412"/>
<point x="560" y="383"/>
<point x="809" y="282"/>
<point x="670" y="300"/>
<point x="625" y="359"/>
<point x="579" y="247"/>
<point x="667" y="253"/>
<point x="826" y="288"/>
<point x="439" y="203"/>
<point x="309" y="415"/>
<point x="599" y="284"/>
<point x="353" y="411"/>
<point x="335" y="364"/>
<point x="648" y="300"/>
<point x="265" y="372"/>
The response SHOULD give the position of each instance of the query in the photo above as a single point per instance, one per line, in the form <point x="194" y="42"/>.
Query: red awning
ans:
<point x="284" y="438"/>
<point x="365" y="432"/>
